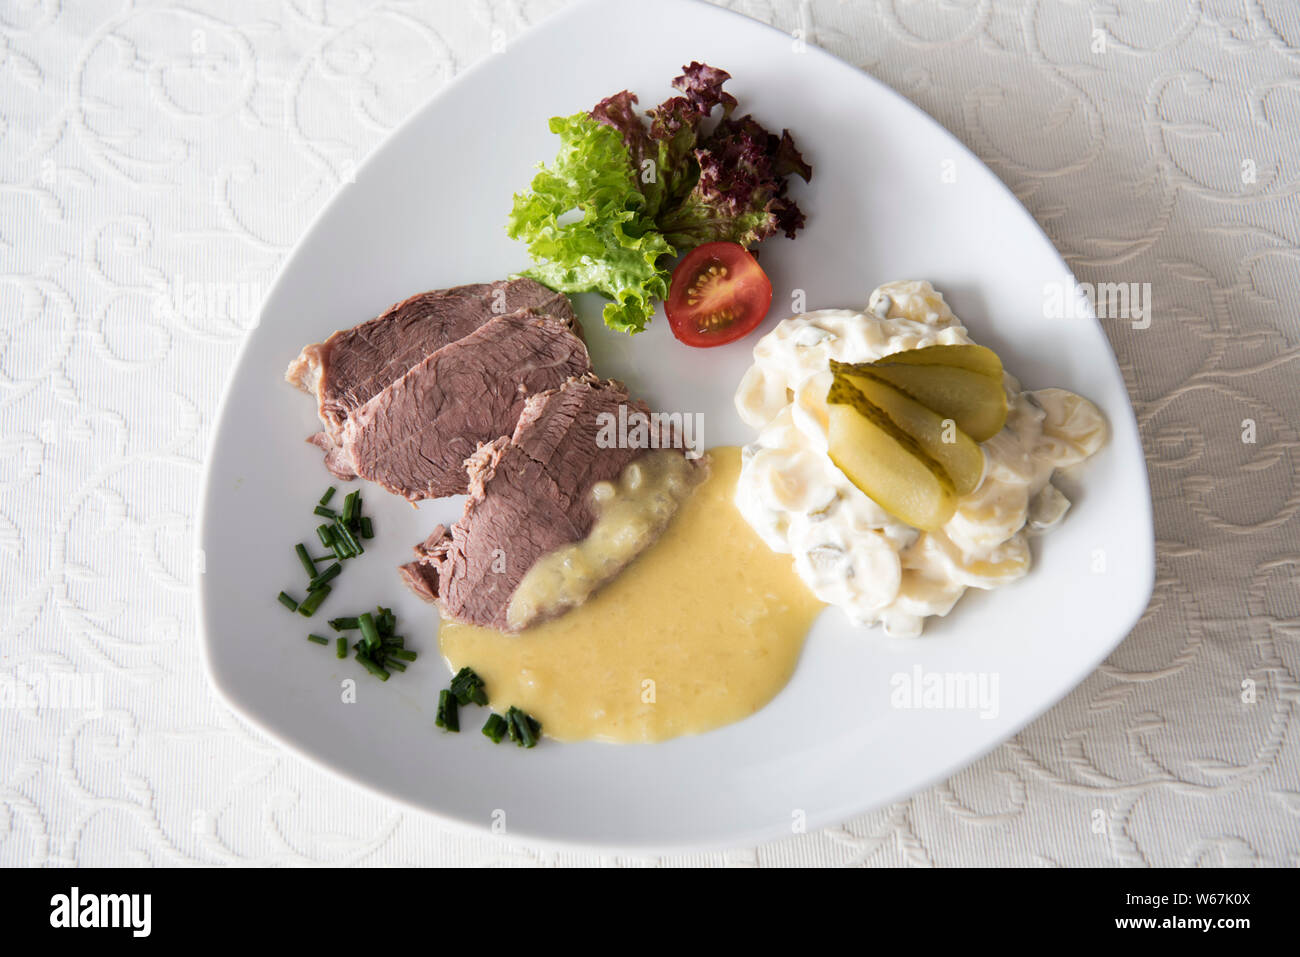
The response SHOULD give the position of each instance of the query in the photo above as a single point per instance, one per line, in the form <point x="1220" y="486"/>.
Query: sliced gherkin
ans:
<point x="953" y="450"/>
<point x="961" y="356"/>
<point x="886" y="463"/>
<point x="976" y="402"/>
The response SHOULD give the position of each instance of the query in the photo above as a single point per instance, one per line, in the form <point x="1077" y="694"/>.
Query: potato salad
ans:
<point x="849" y="549"/>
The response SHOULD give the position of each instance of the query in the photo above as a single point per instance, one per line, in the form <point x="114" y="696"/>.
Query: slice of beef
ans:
<point x="354" y="365"/>
<point x="528" y="495"/>
<point x="413" y="437"/>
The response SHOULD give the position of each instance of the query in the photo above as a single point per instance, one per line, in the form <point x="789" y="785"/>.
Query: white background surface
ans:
<point x="147" y="148"/>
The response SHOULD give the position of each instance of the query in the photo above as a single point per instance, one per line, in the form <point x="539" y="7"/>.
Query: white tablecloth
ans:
<point x="1155" y="141"/>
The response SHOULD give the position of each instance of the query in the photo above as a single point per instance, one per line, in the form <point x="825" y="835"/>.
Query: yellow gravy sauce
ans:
<point x="700" y="630"/>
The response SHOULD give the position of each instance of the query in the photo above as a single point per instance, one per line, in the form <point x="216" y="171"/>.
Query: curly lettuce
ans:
<point x="585" y="224"/>
<point x="627" y="193"/>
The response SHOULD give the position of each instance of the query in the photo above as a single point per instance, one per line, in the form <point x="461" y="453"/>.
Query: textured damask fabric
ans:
<point x="147" y="149"/>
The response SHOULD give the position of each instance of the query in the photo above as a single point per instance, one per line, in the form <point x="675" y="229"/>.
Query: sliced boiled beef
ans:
<point x="354" y="365"/>
<point x="413" y="437"/>
<point x="529" y="494"/>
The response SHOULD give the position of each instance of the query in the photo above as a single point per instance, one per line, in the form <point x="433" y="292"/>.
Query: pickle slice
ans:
<point x="973" y="358"/>
<point x="976" y="402"/>
<point x="961" y="459"/>
<point x="886" y="463"/>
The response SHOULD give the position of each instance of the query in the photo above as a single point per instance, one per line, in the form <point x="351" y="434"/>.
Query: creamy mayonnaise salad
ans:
<point x="849" y="550"/>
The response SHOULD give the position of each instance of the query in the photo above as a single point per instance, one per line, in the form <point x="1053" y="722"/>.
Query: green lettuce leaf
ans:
<point x="587" y="227"/>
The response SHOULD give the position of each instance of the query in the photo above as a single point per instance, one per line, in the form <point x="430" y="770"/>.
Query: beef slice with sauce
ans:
<point x="529" y="494"/>
<point x="414" y="437"/>
<point x="354" y="365"/>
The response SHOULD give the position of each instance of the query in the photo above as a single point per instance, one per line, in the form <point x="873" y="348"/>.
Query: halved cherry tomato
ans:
<point x="719" y="293"/>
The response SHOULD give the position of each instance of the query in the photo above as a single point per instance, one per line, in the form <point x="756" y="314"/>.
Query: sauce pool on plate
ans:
<point x="701" y="630"/>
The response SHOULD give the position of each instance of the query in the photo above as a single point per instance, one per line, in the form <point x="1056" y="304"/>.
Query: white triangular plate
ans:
<point x="427" y="211"/>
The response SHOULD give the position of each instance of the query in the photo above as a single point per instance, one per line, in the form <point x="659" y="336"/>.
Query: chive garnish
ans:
<point x="307" y="563"/>
<point x="448" y="714"/>
<point x="523" y="728"/>
<point x="495" y="728"/>
<point x="369" y="632"/>
<point x="344" y="534"/>
<point x="370" y="666"/>
<point x="380" y="649"/>
<point x="325" y="577"/>
<point x="467" y="687"/>
<point x="313" y="601"/>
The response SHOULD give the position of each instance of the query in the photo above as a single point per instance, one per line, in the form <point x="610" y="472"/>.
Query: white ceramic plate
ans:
<point x="426" y="211"/>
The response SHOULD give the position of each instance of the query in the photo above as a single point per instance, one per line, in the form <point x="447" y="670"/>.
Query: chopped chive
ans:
<point x="393" y="663"/>
<point x="368" y="630"/>
<point x="287" y="601"/>
<point x="373" y="668"/>
<point x="318" y="639"/>
<point x="341" y="648"/>
<point x="307" y="563"/>
<point x="523" y="727"/>
<point x="343" y="624"/>
<point x="350" y="503"/>
<point x="329" y="494"/>
<point x="325" y="577"/>
<point x="325" y="512"/>
<point x="313" y="601"/>
<point x="339" y="544"/>
<point x="467" y="687"/>
<point x="343" y="533"/>
<point x="393" y="641"/>
<point x="495" y="728"/>
<point x="367" y="528"/>
<point x="326" y="535"/>
<point x="401" y="653"/>
<point x="448" y="715"/>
